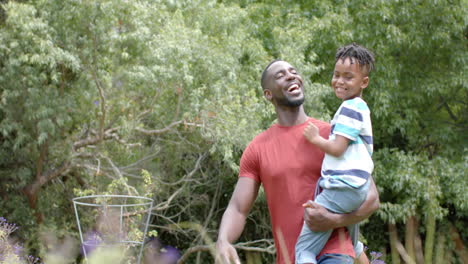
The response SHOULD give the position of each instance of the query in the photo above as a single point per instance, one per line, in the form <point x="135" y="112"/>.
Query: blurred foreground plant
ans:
<point x="65" y="252"/>
<point x="375" y="258"/>
<point x="12" y="252"/>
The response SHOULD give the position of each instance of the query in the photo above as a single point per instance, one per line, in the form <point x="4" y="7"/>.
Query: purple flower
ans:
<point x="162" y="254"/>
<point x="170" y="255"/>
<point x="375" y="258"/>
<point x="17" y="249"/>
<point x="7" y="227"/>
<point x="91" y="242"/>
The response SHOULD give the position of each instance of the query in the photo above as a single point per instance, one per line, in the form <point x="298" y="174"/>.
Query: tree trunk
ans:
<point x="32" y="190"/>
<point x="392" y="230"/>
<point x="430" y="235"/>
<point x="459" y="246"/>
<point x="440" y="249"/>
<point x="418" y="245"/>
<point x="410" y="233"/>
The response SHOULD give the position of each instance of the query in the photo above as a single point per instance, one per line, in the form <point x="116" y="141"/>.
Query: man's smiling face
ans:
<point x="284" y="85"/>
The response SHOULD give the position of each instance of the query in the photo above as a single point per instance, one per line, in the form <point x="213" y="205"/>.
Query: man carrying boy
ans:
<point x="288" y="166"/>
<point x="347" y="165"/>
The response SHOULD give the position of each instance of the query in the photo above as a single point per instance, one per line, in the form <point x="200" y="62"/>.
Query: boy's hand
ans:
<point x="310" y="204"/>
<point x="311" y="132"/>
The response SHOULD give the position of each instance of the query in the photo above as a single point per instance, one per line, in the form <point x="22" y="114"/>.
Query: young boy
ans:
<point x="347" y="165"/>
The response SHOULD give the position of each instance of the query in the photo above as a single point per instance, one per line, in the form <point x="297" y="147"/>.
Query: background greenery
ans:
<point x="94" y="92"/>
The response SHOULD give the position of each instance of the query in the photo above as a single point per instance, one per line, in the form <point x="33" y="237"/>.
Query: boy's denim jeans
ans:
<point x="338" y="200"/>
<point x="335" y="259"/>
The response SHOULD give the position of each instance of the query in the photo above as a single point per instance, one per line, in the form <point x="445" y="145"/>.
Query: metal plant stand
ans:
<point x="113" y="220"/>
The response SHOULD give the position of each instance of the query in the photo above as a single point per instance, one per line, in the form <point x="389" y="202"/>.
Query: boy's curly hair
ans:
<point x="364" y="57"/>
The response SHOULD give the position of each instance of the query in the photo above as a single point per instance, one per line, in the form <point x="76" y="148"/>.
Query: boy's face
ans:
<point x="348" y="79"/>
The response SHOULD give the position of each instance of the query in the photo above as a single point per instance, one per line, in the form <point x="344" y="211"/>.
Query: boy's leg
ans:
<point x="309" y="244"/>
<point x="335" y="259"/>
<point x="354" y="234"/>
<point x="354" y="229"/>
<point x="362" y="259"/>
<point x="344" y="199"/>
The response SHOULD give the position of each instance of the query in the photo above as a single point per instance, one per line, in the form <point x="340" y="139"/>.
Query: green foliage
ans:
<point x="159" y="98"/>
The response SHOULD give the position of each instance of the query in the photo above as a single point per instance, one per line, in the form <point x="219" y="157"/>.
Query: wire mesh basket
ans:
<point x="113" y="221"/>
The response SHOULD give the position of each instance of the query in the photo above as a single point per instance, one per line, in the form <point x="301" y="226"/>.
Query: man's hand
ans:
<point x="318" y="218"/>
<point x="226" y="253"/>
<point x="311" y="132"/>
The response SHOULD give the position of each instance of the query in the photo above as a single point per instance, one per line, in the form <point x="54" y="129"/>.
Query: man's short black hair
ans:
<point x="265" y="71"/>
<point x="364" y="57"/>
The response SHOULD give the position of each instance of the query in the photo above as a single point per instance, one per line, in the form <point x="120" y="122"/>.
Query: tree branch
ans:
<point x="167" y="128"/>
<point x="32" y="189"/>
<point x="94" y="140"/>
<point x="240" y="246"/>
<point x="164" y="205"/>
<point x="102" y="97"/>
<point x="44" y="149"/>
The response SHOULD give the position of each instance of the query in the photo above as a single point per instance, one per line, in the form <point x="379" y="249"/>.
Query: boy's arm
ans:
<point x="320" y="219"/>
<point x="335" y="147"/>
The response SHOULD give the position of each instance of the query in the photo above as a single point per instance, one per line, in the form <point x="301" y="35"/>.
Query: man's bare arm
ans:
<point x="320" y="219"/>
<point x="233" y="221"/>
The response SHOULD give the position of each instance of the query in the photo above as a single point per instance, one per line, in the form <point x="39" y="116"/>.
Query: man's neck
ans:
<point x="291" y="116"/>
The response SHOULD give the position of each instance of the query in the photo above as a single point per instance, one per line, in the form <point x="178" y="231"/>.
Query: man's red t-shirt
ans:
<point x="288" y="167"/>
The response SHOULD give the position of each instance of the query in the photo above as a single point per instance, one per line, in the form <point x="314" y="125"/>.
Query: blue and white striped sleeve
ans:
<point x="349" y="119"/>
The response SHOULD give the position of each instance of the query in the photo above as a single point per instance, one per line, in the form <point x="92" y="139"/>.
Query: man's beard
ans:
<point x="288" y="102"/>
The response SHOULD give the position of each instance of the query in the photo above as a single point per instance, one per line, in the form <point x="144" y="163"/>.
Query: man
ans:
<point x="288" y="166"/>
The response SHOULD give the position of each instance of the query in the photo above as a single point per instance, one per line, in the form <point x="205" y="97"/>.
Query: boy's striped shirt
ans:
<point x="352" y="120"/>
